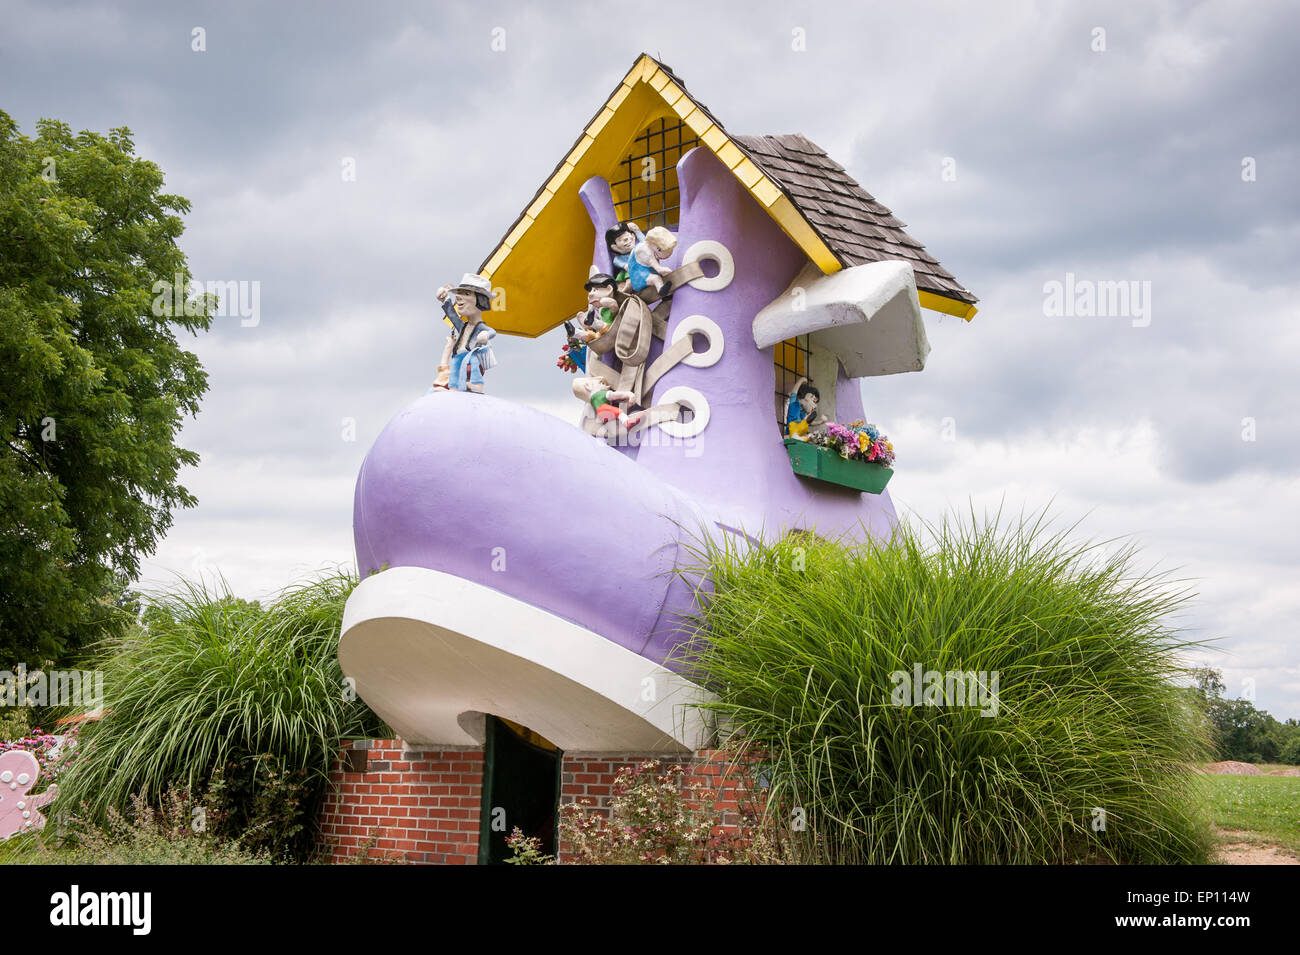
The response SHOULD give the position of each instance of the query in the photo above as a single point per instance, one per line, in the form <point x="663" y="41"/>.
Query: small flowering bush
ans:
<point x="856" y="442"/>
<point x="526" y="850"/>
<point x="179" y="831"/>
<point x="655" y="820"/>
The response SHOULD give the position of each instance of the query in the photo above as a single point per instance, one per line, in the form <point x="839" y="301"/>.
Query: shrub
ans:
<point x="813" y="646"/>
<point x="654" y="819"/>
<point x="176" y="833"/>
<point x="264" y="805"/>
<point x="526" y="850"/>
<point x="214" y="692"/>
<point x="15" y="723"/>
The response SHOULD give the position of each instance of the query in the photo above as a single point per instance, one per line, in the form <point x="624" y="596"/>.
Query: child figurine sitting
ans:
<point x="801" y="410"/>
<point x="620" y="241"/>
<point x="597" y="393"/>
<point x="585" y="327"/>
<point x="602" y="308"/>
<point x="644" y="266"/>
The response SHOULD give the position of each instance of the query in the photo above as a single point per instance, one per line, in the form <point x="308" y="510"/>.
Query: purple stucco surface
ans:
<point x="523" y="503"/>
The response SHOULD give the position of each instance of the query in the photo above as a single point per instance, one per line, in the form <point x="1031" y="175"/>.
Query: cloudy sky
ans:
<point x="1153" y="143"/>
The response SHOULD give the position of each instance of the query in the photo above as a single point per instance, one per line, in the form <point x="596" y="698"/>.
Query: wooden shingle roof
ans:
<point x="855" y="227"/>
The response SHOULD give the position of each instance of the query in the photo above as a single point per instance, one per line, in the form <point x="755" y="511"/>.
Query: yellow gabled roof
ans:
<point x="553" y="236"/>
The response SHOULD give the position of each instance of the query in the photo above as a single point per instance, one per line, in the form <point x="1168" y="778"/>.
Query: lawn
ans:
<point x="1266" y="809"/>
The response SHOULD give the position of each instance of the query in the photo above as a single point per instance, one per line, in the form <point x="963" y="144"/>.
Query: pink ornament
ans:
<point x="18" y="811"/>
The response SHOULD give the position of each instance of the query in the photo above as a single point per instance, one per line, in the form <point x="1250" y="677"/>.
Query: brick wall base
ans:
<point x="389" y="804"/>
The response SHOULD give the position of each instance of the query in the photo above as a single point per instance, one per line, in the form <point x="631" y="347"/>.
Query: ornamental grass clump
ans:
<point x="224" y="696"/>
<point x="967" y="693"/>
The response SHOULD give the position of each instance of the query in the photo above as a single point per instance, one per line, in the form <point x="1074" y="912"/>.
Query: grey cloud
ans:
<point x="1113" y="166"/>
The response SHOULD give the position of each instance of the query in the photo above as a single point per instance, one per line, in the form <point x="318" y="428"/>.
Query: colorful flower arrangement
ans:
<point x="858" y="441"/>
<point x="571" y="349"/>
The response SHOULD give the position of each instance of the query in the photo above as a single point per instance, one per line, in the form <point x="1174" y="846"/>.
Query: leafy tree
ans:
<point x="93" y="385"/>
<point x="1291" y="752"/>
<point x="1241" y="731"/>
<point x="1209" y="682"/>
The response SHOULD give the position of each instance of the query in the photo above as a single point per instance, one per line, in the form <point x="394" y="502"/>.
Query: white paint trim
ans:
<point x="698" y="404"/>
<point x="707" y="327"/>
<point x="427" y="648"/>
<point x="868" y="315"/>
<point x="717" y="252"/>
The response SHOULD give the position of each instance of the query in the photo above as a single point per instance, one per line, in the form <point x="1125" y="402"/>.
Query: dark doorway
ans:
<point x="521" y="787"/>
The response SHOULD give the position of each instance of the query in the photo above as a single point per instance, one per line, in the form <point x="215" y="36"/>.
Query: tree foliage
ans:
<point x="93" y="384"/>
<point x="1241" y="731"/>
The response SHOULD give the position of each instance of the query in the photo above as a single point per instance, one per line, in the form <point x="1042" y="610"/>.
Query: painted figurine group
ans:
<point x="617" y="319"/>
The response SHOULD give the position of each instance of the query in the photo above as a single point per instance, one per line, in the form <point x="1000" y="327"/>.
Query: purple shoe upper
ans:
<point x="523" y="503"/>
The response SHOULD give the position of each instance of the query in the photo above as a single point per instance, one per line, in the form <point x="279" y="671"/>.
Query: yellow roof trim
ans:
<point x="949" y="306"/>
<point x="599" y="122"/>
<point x="683" y="107"/>
<point x="583" y="145"/>
<point x="643" y="69"/>
<point x="715" y="139"/>
<point x="672" y="93"/>
<point x="536" y="208"/>
<point x="494" y="263"/>
<point x="518" y="231"/>
<point x="797" y="228"/>
<point x="747" y="173"/>
<point x="620" y="94"/>
<point x="699" y="122"/>
<point x="766" y="192"/>
<point x="730" y="155"/>
<point x="552" y="236"/>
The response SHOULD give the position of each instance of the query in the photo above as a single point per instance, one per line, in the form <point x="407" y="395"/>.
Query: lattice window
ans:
<point x="645" y="191"/>
<point x="791" y="358"/>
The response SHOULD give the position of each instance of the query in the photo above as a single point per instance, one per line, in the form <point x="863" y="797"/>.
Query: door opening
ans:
<point x="521" y="788"/>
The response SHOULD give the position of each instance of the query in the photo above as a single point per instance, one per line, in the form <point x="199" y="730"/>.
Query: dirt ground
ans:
<point x="1236" y="850"/>
<point x="1230" y="767"/>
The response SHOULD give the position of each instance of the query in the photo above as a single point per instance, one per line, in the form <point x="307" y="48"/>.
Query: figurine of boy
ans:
<point x="620" y="241"/>
<point x="801" y="410"/>
<point x="602" y="308"/>
<point x="644" y="265"/>
<point x="597" y="393"/>
<point x="468" y="352"/>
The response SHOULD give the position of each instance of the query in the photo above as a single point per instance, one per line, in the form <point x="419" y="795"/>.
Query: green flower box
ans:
<point x="823" y="464"/>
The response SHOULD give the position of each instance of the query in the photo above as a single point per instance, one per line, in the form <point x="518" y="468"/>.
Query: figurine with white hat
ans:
<point x="468" y="352"/>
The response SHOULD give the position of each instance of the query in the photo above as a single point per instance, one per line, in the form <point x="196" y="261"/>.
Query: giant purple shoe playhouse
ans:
<point x="519" y="567"/>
